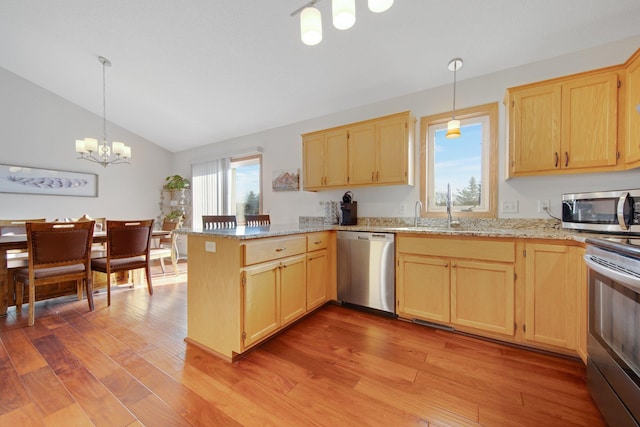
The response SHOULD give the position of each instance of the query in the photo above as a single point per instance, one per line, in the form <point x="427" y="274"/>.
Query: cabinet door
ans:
<point x="534" y="129"/>
<point x="261" y="302"/>
<point x="423" y="288"/>
<point x="632" y="110"/>
<point x="317" y="278"/>
<point x="313" y="159"/>
<point x="589" y="121"/>
<point x="362" y="154"/>
<point x="392" y="160"/>
<point x="335" y="161"/>
<point x="293" y="290"/>
<point x="482" y="296"/>
<point x="551" y="295"/>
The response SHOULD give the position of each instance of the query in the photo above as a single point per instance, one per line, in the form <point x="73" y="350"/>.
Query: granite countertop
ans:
<point x="526" y="228"/>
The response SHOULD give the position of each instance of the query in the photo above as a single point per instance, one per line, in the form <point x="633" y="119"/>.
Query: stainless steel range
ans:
<point x="613" y="366"/>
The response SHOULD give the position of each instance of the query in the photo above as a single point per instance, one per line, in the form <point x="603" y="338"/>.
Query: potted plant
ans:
<point x="174" y="215"/>
<point x="176" y="182"/>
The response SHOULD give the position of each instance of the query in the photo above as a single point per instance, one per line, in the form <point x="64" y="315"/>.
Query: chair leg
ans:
<point x="147" y="271"/>
<point x="162" y="265"/>
<point x="174" y="262"/>
<point x="19" y="289"/>
<point x="108" y="288"/>
<point x="89" y="289"/>
<point x="32" y="303"/>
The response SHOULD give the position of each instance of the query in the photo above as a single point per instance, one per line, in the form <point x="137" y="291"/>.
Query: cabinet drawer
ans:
<point x="455" y="247"/>
<point x="317" y="241"/>
<point x="262" y="250"/>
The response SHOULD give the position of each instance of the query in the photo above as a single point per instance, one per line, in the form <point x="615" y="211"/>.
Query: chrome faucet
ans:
<point x="416" y="212"/>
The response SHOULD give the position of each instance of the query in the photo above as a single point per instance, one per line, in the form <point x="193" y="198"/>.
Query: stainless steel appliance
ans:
<point x="613" y="365"/>
<point x="366" y="273"/>
<point x="604" y="211"/>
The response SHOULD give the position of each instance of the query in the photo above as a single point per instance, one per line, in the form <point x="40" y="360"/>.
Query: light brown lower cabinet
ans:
<point x="274" y="295"/>
<point x="240" y="292"/>
<point x="471" y="284"/>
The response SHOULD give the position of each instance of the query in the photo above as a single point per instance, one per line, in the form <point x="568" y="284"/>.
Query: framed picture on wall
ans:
<point x="286" y="180"/>
<point x="52" y="182"/>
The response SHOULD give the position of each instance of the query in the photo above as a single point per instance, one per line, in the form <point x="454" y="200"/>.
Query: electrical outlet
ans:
<point x="509" y="206"/>
<point x="544" y="205"/>
<point x="210" y="246"/>
<point x="401" y="210"/>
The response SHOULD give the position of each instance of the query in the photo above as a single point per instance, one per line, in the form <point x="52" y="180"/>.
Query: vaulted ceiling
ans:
<point x="190" y="73"/>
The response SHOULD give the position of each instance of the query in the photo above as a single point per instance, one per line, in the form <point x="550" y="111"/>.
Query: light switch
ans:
<point x="210" y="246"/>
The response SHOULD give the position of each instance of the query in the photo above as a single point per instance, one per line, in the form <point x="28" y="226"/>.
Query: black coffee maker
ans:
<point x="349" y="209"/>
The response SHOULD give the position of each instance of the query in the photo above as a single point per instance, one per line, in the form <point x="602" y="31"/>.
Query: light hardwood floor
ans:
<point x="128" y="365"/>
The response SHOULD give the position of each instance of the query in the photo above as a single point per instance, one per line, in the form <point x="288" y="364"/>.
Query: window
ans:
<point x="245" y="186"/>
<point x="467" y="165"/>
<point x="229" y="186"/>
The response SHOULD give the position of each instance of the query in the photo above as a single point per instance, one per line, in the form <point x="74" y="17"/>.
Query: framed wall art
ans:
<point x="286" y="180"/>
<point x="28" y="180"/>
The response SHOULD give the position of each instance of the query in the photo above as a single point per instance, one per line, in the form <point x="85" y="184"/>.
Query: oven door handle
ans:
<point x="625" y="279"/>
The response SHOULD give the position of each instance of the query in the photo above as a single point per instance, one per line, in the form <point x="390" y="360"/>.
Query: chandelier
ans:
<point x="343" y="13"/>
<point x="90" y="149"/>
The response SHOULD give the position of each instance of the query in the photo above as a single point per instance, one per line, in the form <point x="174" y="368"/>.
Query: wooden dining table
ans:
<point x="19" y="241"/>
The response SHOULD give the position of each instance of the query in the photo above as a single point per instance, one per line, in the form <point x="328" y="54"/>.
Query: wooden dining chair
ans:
<point x="58" y="252"/>
<point x="128" y="246"/>
<point x="257" y="220"/>
<point x="213" y="222"/>
<point x="16" y="258"/>
<point x="167" y="246"/>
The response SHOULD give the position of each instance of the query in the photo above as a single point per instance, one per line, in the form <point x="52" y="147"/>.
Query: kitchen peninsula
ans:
<point x="521" y="283"/>
<point x="247" y="283"/>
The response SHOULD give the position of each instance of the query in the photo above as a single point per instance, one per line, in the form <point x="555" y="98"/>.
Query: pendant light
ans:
<point x="89" y="148"/>
<point x="310" y="26"/>
<point x="378" y="6"/>
<point x="344" y="13"/>
<point x="453" y="126"/>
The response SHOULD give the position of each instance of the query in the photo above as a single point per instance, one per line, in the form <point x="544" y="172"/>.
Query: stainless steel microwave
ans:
<point x="603" y="211"/>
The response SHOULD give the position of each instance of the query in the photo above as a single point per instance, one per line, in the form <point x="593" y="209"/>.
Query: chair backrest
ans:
<point x="212" y="222"/>
<point x="128" y="238"/>
<point x="55" y="244"/>
<point x="16" y="226"/>
<point x="169" y="225"/>
<point x="257" y="220"/>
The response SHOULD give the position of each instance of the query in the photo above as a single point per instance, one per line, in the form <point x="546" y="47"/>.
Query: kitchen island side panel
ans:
<point x="214" y="294"/>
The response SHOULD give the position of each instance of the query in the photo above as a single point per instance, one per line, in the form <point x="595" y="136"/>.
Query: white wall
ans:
<point x="39" y="129"/>
<point x="283" y="147"/>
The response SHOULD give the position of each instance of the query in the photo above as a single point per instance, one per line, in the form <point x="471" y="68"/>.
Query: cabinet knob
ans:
<point x="280" y="249"/>
<point x="556" y="161"/>
<point x="566" y="159"/>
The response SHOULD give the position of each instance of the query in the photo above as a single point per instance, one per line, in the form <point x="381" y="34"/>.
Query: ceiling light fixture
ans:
<point x="378" y="6"/>
<point x="88" y="146"/>
<point x="343" y="13"/>
<point x="453" y="126"/>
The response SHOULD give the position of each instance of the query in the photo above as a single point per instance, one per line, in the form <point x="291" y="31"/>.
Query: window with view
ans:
<point x="465" y="165"/>
<point x="229" y="186"/>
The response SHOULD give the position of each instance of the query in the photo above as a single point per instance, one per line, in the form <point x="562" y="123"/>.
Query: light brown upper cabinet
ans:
<point x="631" y="115"/>
<point x="325" y="159"/>
<point x="564" y="125"/>
<point x="373" y="152"/>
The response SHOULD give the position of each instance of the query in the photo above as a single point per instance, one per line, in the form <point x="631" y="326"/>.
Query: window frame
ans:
<point x="491" y="111"/>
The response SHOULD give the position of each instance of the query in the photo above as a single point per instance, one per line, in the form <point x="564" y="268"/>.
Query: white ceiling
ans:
<point x="195" y="72"/>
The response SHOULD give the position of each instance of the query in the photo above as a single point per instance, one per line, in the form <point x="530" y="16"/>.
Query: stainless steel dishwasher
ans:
<point x="366" y="273"/>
